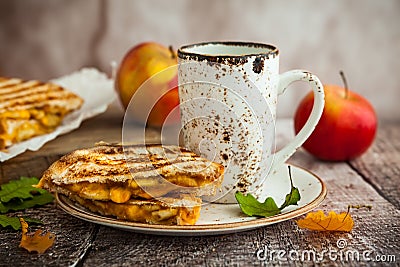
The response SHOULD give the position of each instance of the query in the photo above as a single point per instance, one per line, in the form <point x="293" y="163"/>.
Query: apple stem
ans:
<point x="346" y="88"/>
<point x="171" y="49"/>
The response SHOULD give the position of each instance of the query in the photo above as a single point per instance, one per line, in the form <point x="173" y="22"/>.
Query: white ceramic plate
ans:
<point x="223" y="218"/>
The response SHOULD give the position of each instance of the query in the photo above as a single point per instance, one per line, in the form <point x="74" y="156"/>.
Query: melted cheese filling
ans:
<point x="122" y="192"/>
<point x="116" y="193"/>
<point x="20" y="125"/>
<point x="151" y="213"/>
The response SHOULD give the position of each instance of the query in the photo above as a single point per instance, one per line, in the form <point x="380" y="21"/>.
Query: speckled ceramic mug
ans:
<point x="228" y="96"/>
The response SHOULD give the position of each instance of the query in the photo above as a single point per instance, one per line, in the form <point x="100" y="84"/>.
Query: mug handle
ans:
<point x="285" y="79"/>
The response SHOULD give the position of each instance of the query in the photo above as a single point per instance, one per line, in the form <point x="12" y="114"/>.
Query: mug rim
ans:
<point x="272" y="49"/>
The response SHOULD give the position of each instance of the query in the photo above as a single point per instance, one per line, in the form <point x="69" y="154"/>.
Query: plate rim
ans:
<point x="215" y="228"/>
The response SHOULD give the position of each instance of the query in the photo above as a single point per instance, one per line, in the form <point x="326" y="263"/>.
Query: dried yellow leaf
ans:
<point x="36" y="242"/>
<point x="318" y="221"/>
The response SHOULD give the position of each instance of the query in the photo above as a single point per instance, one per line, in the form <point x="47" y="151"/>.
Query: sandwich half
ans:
<point x="109" y="178"/>
<point x="182" y="210"/>
<point x="32" y="108"/>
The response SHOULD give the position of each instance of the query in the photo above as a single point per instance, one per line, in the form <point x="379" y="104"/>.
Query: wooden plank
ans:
<point x="73" y="238"/>
<point x="376" y="232"/>
<point x="84" y="243"/>
<point x="377" y="228"/>
<point x="35" y="167"/>
<point x="380" y="166"/>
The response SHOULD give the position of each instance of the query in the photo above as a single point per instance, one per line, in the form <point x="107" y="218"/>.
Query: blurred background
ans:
<point x="44" y="39"/>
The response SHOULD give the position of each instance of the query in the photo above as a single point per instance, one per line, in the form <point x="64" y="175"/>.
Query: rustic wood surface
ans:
<point x="372" y="179"/>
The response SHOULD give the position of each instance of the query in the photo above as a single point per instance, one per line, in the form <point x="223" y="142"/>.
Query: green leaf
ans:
<point x="18" y="204"/>
<point x="3" y="209"/>
<point x="10" y="221"/>
<point x="292" y="198"/>
<point x="21" y="188"/>
<point x="14" y="222"/>
<point x="294" y="195"/>
<point x="252" y="207"/>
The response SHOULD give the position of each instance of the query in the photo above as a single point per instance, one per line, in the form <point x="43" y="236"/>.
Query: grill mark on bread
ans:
<point x="87" y="163"/>
<point x="17" y="86"/>
<point x="32" y="108"/>
<point x="5" y="82"/>
<point x="38" y="89"/>
<point x="119" y="147"/>
<point x="16" y="94"/>
<point x="107" y="155"/>
<point x="35" y="100"/>
<point x="60" y="105"/>
<point x="102" y="161"/>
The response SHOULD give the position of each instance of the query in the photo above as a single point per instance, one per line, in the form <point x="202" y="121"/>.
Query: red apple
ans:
<point x="154" y="67"/>
<point x="347" y="126"/>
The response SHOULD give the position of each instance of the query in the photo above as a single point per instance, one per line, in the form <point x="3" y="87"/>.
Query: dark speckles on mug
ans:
<point x="226" y="136"/>
<point x="236" y="61"/>
<point x="258" y="64"/>
<point x="188" y="52"/>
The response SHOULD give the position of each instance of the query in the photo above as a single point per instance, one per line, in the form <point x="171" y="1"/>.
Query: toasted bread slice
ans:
<point x="140" y="183"/>
<point x="184" y="210"/>
<point x="32" y="108"/>
<point x="118" y="173"/>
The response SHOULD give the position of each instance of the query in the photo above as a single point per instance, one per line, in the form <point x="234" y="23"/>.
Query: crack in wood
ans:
<point x="88" y="247"/>
<point x="374" y="186"/>
<point x="379" y="165"/>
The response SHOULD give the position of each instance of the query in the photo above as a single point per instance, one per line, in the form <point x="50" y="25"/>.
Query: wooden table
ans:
<point x="372" y="179"/>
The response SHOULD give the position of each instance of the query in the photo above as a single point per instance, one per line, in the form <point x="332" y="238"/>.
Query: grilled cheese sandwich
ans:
<point x="166" y="211"/>
<point x="111" y="172"/>
<point x="32" y="108"/>
<point x="127" y="180"/>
